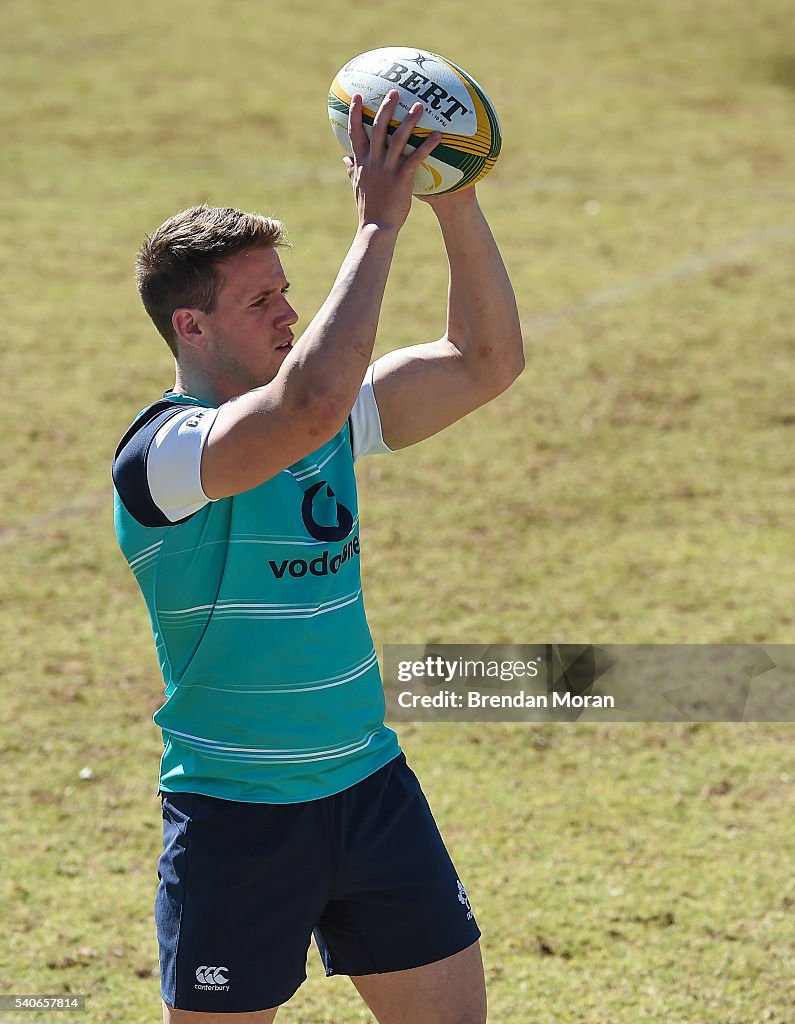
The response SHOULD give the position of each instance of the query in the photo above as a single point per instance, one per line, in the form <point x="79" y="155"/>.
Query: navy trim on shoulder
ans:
<point x="129" y="464"/>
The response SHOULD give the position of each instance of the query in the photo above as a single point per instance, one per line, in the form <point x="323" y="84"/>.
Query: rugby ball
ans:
<point x="455" y="105"/>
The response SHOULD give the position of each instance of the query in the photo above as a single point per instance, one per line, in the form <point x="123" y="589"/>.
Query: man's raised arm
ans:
<point x="424" y="388"/>
<point x="262" y="431"/>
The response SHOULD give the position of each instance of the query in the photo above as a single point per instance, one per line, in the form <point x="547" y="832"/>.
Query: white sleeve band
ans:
<point x="173" y="464"/>
<point x="366" y="421"/>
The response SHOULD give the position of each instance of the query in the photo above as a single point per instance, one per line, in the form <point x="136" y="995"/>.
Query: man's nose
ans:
<point x="288" y="315"/>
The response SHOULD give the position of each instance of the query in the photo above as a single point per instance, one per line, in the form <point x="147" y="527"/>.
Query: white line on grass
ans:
<point x="687" y="269"/>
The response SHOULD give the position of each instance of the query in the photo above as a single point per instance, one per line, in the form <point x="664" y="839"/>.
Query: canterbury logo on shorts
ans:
<point x="463" y="899"/>
<point x="212" y="978"/>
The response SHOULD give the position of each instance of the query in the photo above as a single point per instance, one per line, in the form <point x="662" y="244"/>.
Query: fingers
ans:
<point x="359" y="144"/>
<point x="403" y="132"/>
<point x="423" y="151"/>
<point x="383" y="116"/>
<point x="379" y="144"/>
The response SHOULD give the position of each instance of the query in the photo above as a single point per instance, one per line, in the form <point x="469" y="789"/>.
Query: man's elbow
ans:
<point x="517" y="363"/>
<point x="501" y="367"/>
<point x="324" y="414"/>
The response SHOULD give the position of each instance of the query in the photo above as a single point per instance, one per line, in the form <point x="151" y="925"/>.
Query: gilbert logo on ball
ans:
<point x="455" y="105"/>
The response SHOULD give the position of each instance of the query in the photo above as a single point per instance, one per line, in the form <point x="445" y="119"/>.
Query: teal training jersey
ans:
<point x="272" y="688"/>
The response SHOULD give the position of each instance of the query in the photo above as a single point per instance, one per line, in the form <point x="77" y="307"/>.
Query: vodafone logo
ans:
<point x="326" y="519"/>
<point x="212" y="979"/>
<point x="336" y="520"/>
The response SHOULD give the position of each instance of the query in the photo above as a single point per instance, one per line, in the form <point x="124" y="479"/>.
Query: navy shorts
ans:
<point x="244" y="885"/>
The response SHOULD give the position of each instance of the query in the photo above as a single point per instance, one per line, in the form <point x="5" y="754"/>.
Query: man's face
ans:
<point x="248" y="333"/>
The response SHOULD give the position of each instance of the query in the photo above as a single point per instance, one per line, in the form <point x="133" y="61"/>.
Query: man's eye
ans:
<point x="263" y="300"/>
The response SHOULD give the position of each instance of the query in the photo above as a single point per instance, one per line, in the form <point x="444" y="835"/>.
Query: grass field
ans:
<point x="635" y="485"/>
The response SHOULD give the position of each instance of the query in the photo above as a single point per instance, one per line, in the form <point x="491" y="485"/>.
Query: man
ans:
<point x="287" y="804"/>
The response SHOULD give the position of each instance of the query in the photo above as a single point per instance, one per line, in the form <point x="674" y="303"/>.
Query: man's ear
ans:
<point x="187" y="327"/>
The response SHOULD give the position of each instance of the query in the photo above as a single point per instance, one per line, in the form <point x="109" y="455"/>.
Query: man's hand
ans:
<point x="382" y="177"/>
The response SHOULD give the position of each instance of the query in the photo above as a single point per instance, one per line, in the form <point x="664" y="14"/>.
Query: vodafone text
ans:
<point x="320" y="566"/>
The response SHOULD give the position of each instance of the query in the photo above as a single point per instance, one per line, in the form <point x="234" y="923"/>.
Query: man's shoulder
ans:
<point x="131" y="472"/>
<point x="142" y="419"/>
<point x="169" y="404"/>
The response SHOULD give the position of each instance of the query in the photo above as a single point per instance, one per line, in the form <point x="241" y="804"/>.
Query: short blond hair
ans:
<point x="179" y="264"/>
